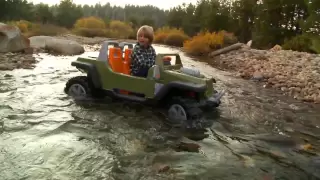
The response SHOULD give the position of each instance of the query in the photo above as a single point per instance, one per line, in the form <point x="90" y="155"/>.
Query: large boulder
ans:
<point x="38" y="42"/>
<point x="56" y="45"/>
<point x="11" y="39"/>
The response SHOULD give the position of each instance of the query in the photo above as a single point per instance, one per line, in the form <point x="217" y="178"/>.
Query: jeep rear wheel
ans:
<point x="78" y="87"/>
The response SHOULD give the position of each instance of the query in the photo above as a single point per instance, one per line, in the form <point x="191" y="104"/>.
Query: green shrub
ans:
<point x="300" y="43"/>
<point x="175" y="39"/>
<point x="45" y="30"/>
<point x="316" y="45"/>
<point x="87" y="32"/>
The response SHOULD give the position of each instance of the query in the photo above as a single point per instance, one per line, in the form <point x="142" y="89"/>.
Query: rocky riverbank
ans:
<point x="10" y="61"/>
<point x="60" y="45"/>
<point x="296" y="74"/>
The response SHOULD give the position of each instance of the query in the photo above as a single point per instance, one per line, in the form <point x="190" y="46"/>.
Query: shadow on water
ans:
<point x="44" y="134"/>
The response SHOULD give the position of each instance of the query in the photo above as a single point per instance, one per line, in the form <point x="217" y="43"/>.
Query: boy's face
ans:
<point x="142" y="39"/>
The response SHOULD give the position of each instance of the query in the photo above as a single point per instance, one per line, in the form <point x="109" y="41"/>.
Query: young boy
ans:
<point x="143" y="55"/>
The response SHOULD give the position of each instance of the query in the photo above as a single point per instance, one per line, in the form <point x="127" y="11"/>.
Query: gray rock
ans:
<point x="258" y="76"/>
<point x="57" y="45"/>
<point x="11" y="39"/>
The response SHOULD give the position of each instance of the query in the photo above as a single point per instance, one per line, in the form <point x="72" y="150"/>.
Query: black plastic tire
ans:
<point x="86" y="83"/>
<point x="193" y="112"/>
<point x="80" y="80"/>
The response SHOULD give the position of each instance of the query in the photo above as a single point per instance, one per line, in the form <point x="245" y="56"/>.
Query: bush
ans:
<point x="94" y="26"/>
<point x="90" y="27"/>
<point x="298" y="43"/>
<point x="162" y="33"/>
<point x="87" y="32"/>
<point x="303" y="43"/>
<point x="90" y="23"/>
<point x="204" y="42"/>
<point x="133" y="34"/>
<point x="159" y="38"/>
<point x="170" y="36"/>
<point x="175" y="39"/>
<point x="29" y="29"/>
<point x="45" y="30"/>
<point x="229" y="38"/>
<point x="316" y="45"/>
<point x="119" y="29"/>
<point x="23" y="25"/>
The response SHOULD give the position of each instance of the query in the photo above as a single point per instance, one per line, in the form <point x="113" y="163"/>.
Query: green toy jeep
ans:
<point x="184" y="92"/>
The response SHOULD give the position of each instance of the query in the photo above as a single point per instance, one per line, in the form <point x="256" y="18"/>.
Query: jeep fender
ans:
<point x="91" y="70"/>
<point x="165" y="89"/>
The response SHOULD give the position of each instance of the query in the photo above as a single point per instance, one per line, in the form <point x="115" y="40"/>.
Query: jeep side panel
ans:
<point x="112" y="80"/>
<point x="169" y="76"/>
<point x="181" y="86"/>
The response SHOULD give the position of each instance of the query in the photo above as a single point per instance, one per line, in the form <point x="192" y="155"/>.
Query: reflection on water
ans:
<point x="45" y="135"/>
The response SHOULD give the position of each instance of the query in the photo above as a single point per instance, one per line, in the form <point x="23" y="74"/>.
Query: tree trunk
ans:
<point x="226" y="49"/>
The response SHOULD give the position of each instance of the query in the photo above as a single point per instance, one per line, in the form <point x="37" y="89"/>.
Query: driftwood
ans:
<point x="226" y="49"/>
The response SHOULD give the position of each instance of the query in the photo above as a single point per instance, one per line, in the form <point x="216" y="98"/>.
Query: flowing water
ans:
<point x="44" y="134"/>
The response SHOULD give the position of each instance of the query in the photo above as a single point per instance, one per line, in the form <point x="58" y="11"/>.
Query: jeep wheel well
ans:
<point x="91" y="71"/>
<point x="178" y="92"/>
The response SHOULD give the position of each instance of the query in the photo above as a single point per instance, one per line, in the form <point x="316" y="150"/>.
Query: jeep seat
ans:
<point x="127" y="61"/>
<point x="115" y="59"/>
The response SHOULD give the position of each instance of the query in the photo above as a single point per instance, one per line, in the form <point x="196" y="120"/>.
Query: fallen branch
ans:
<point x="226" y="49"/>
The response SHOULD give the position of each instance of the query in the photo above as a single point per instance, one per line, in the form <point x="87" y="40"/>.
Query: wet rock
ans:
<point x="257" y="76"/>
<point x="6" y="67"/>
<point x="11" y="61"/>
<point x="7" y="75"/>
<point x="11" y="39"/>
<point x="56" y="45"/>
<point x="189" y="147"/>
<point x="39" y="42"/>
<point x="249" y="43"/>
<point x="288" y="129"/>
<point x="267" y="177"/>
<point x="161" y="168"/>
<point x="305" y="147"/>
<point x="276" y="48"/>
<point x="28" y="50"/>
<point x="197" y="136"/>
<point x="247" y="161"/>
<point x="294" y="107"/>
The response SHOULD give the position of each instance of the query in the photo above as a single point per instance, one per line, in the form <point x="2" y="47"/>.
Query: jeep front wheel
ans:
<point x="184" y="112"/>
<point x="78" y="87"/>
<point x="177" y="114"/>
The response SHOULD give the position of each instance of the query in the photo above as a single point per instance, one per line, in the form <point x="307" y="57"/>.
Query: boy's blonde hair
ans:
<point x="147" y="32"/>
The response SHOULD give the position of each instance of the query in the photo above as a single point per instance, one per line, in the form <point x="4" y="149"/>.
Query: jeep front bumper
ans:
<point x="214" y="101"/>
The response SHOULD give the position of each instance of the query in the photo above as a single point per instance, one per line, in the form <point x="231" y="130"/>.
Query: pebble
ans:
<point x="296" y="74"/>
